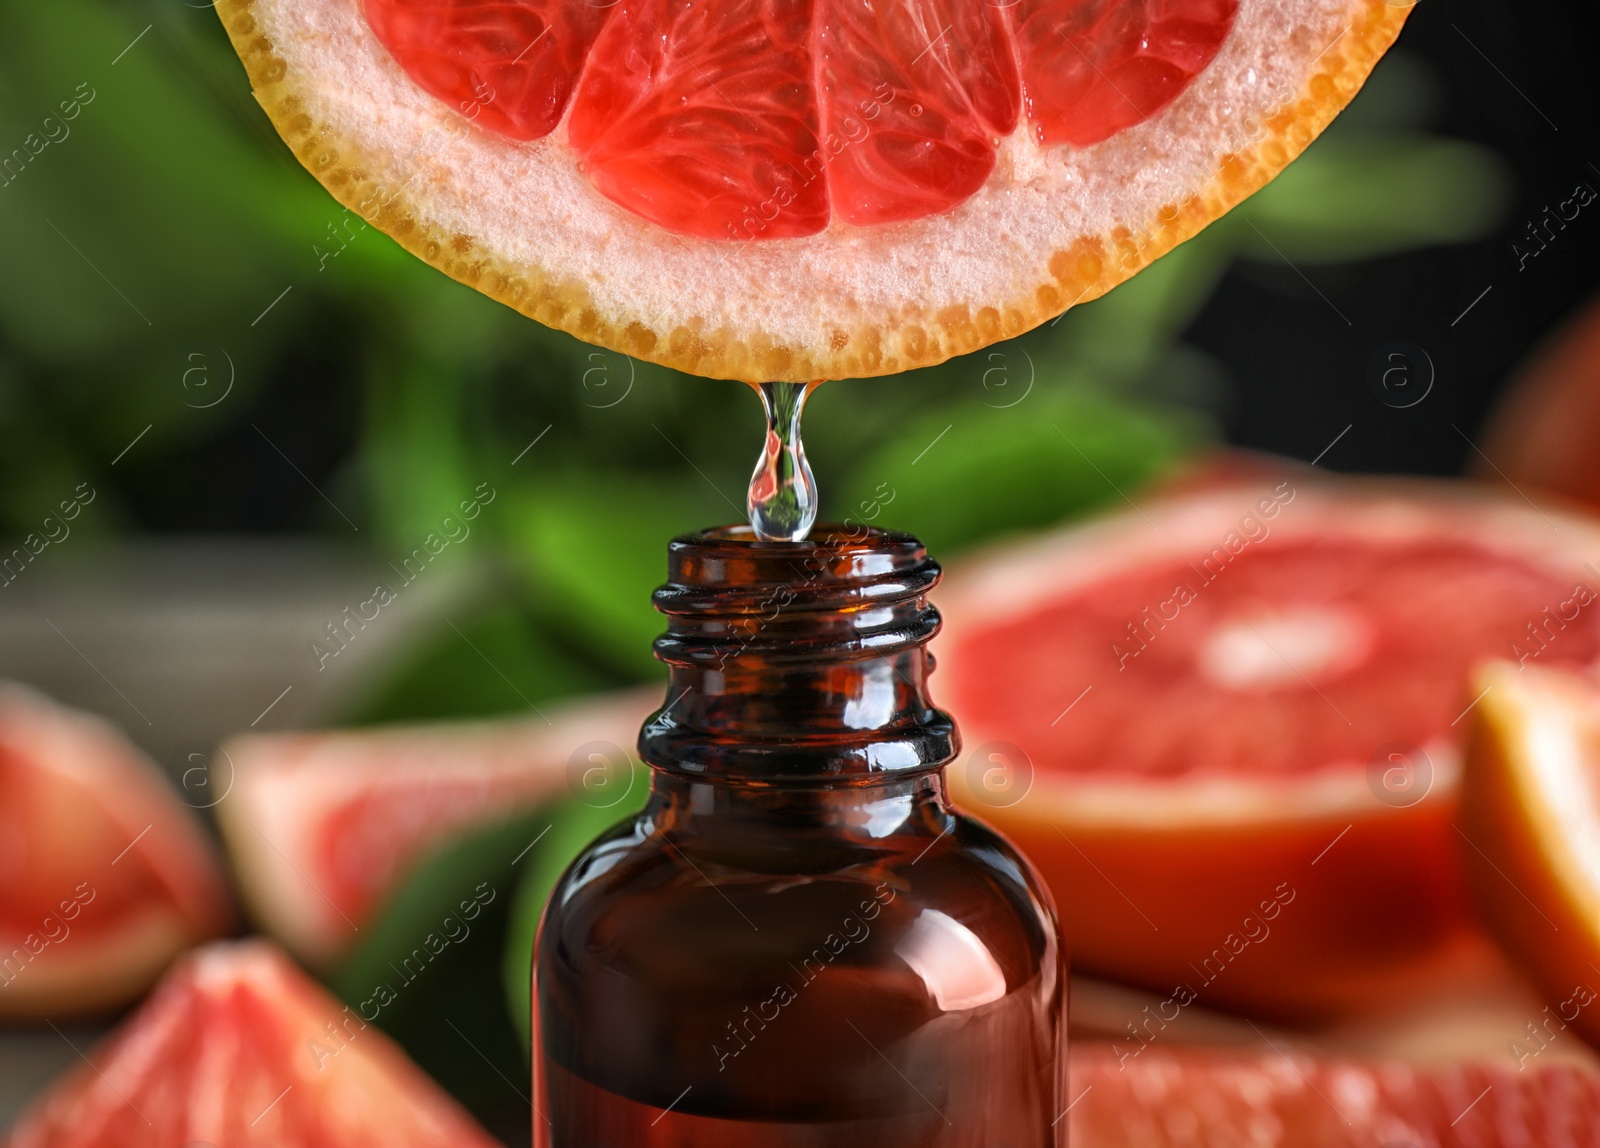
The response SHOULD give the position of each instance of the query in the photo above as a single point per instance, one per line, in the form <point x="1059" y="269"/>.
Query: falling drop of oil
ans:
<point x="783" y="493"/>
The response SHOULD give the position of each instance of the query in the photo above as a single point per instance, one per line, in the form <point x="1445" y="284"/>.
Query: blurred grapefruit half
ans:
<point x="321" y="826"/>
<point x="1542" y="433"/>
<point x="782" y="190"/>
<point x="238" y="1048"/>
<point x="1226" y="725"/>
<point x="1530" y="829"/>
<point x="105" y="876"/>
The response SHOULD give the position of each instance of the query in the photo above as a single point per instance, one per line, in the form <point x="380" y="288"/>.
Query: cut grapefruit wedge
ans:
<point x="238" y="1048"/>
<point x="778" y="190"/>
<point x="1530" y="833"/>
<point x="1279" y="1098"/>
<point x="322" y="826"/>
<point x="1226" y="724"/>
<point x="105" y="876"/>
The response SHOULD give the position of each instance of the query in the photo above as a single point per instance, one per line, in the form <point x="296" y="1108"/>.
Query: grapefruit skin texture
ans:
<point x="321" y="827"/>
<point x="1238" y="842"/>
<point x="236" y="1048"/>
<point x="107" y="876"/>
<point x="1542" y="904"/>
<point x="846" y="302"/>
<point x="1166" y="1098"/>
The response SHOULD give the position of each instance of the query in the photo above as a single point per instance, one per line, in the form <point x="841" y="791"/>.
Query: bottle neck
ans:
<point x="798" y="663"/>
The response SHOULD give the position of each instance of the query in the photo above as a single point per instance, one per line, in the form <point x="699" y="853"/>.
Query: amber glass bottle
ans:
<point x="798" y="942"/>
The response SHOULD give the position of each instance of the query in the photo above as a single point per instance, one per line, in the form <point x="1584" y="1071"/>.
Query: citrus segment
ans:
<point x="322" y="826"/>
<point x="508" y="65"/>
<point x="691" y="115"/>
<point x="1165" y="1098"/>
<point x="784" y="216"/>
<point x="1530" y="821"/>
<point x="107" y="877"/>
<point x="915" y="97"/>
<point x="1227" y="726"/>
<point x="1092" y="68"/>
<point x="238" y="1048"/>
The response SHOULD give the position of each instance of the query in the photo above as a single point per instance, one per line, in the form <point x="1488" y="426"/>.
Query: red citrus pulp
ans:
<point x="322" y="826"/>
<point x="691" y="114"/>
<point x="106" y="875"/>
<point x="238" y="1048"/>
<point x="1196" y="1098"/>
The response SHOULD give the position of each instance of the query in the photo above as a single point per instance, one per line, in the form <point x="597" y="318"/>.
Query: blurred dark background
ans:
<point x="192" y="328"/>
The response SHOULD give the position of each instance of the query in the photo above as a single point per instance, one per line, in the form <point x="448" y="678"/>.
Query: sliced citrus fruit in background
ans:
<point x="1225" y="725"/>
<point x="105" y="876"/>
<point x="1281" y="1098"/>
<point x="1530" y="825"/>
<point x="237" y="1047"/>
<point x="322" y="826"/>
<point x="778" y="190"/>
<point x="1543" y="431"/>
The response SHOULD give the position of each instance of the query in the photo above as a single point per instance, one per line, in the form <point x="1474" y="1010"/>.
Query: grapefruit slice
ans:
<point x="1226" y="724"/>
<point x="1290" y="1099"/>
<point x="107" y="877"/>
<point x="779" y="190"/>
<point x="236" y="1048"/>
<point x="1530" y="833"/>
<point x="322" y="826"/>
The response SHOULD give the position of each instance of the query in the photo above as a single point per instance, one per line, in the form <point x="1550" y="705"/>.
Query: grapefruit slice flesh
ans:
<point x="1227" y="725"/>
<point x="107" y="877"/>
<point x="1289" y="1099"/>
<point x="1530" y="824"/>
<point x="322" y="826"/>
<point x="788" y="190"/>
<point x="236" y="1048"/>
<point x="689" y="114"/>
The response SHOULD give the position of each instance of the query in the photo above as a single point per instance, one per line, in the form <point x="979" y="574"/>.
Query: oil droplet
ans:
<point x="783" y="493"/>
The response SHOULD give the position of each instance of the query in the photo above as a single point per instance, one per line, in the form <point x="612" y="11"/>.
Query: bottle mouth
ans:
<point x="798" y="661"/>
<point x="727" y="570"/>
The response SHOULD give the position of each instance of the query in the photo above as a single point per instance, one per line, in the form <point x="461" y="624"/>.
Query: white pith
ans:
<point x="529" y="203"/>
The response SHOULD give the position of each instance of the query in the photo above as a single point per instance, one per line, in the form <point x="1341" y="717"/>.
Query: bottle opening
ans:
<point x="792" y="660"/>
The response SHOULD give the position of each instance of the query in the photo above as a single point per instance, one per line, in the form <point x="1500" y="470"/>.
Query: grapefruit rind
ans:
<point x="1530" y="805"/>
<point x="1050" y="229"/>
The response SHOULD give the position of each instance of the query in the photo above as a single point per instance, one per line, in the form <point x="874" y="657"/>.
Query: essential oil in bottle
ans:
<point x="798" y="943"/>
